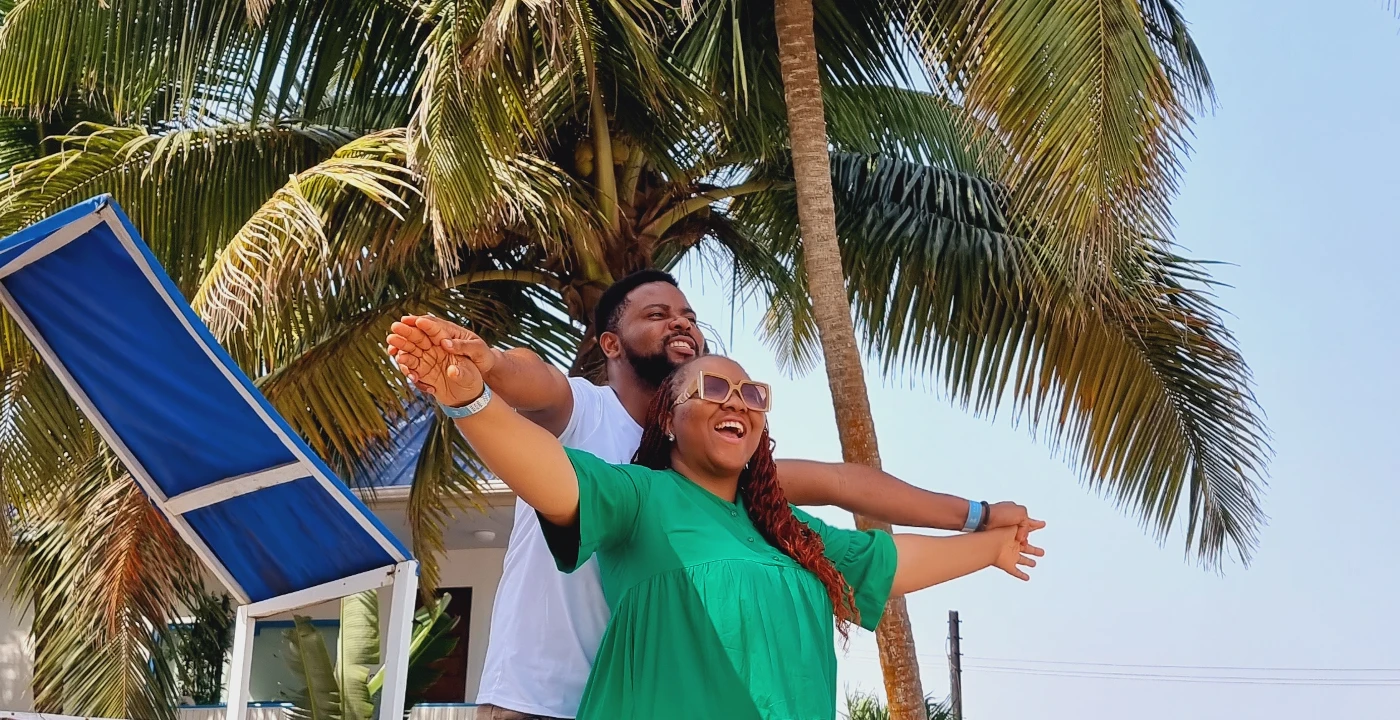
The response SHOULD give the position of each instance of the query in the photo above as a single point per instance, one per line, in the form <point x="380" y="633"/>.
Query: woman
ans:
<point x="722" y="594"/>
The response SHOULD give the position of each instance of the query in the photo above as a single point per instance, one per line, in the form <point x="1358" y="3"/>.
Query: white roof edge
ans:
<point x="493" y="495"/>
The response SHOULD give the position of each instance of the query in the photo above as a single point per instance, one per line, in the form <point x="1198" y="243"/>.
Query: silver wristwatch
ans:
<point x="471" y="408"/>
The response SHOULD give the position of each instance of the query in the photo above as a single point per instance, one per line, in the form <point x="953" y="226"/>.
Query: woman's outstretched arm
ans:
<point x="925" y="561"/>
<point x="522" y="454"/>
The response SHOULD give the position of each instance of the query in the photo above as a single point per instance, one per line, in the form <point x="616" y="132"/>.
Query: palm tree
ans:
<point x="831" y="311"/>
<point x="499" y="165"/>
<point x="1111" y="198"/>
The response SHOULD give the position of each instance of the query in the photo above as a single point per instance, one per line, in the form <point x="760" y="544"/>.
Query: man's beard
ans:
<point x="652" y="368"/>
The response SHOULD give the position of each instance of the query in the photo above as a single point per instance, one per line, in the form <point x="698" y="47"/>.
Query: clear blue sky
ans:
<point x="1295" y="180"/>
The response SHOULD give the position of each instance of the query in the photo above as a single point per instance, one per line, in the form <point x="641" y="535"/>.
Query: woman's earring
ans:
<point x="670" y="437"/>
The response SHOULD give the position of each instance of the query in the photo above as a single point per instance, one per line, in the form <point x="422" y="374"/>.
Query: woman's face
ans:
<point x="719" y="437"/>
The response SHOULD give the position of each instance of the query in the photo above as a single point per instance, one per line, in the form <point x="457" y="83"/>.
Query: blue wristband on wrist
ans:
<point x="974" y="516"/>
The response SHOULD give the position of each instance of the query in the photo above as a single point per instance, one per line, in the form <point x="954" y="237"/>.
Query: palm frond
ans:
<point x="303" y="295"/>
<point x="443" y="484"/>
<point x="1093" y="98"/>
<point x="314" y="693"/>
<point x="41" y="430"/>
<point x="350" y="63"/>
<point x="187" y="191"/>
<point x="105" y="571"/>
<point x="731" y="48"/>
<point x="1153" y="405"/>
<point x="346" y="63"/>
<point x="19" y="142"/>
<point x="357" y="649"/>
<point x="335" y="385"/>
<point x="283" y="252"/>
<point x="54" y="51"/>
<point x="464" y="124"/>
<point x="915" y="125"/>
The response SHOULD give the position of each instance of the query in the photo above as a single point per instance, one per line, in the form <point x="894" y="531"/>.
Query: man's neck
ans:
<point x="634" y="393"/>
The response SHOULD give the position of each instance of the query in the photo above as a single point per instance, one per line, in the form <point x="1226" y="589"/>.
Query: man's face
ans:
<point x="657" y="331"/>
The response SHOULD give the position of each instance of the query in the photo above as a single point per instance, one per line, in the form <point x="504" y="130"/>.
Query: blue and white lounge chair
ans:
<point x="266" y="515"/>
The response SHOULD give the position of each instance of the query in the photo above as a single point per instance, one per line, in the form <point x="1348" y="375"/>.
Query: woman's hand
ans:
<point x="1013" y="552"/>
<point x="927" y="560"/>
<point x="522" y="454"/>
<point x="452" y="379"/>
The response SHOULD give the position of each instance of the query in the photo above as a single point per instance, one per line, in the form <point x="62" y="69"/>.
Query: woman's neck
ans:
<point x="723" y="485"/>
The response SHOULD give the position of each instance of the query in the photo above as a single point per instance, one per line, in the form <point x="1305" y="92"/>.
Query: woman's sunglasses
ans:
<point x="713" y="388"/>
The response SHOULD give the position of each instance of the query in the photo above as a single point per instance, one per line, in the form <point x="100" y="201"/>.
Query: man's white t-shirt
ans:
<point x="546" y="625"/>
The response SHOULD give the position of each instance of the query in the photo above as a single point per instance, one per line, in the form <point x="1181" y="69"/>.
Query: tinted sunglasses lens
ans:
<point x="714" y="388"/>
<point x="754" y="395"/>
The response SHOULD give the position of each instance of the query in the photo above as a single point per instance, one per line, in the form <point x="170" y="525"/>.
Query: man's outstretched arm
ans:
<point x="881" y="496"/>
<point x="536" y="389"/>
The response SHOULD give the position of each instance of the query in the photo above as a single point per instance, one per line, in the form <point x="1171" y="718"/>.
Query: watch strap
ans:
<point x="471" y="408"/>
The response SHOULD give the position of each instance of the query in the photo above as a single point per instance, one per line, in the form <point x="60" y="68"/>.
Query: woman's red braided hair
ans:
<point x="764" y="500"/>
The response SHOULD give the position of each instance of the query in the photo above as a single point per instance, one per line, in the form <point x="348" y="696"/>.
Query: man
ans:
<point x="546" y="626"/>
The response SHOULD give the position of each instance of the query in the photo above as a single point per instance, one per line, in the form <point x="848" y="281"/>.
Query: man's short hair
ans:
<point x="614" y="300"/>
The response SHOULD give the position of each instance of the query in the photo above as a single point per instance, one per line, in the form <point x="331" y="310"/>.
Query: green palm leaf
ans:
<point x="357" y="649"/>
<point x="305" y="292"/>
<point x="349" y="63"/>
<point x="314" y="694"/>
<point x="444" y="482"/>
<point x="303" y="295"/>
<point x="464" y="124"/>
<point x="187" y="191"/>
<point x="104" y="572"/>
<point x="1097" y="123"/>
<point x="282" y="255"/>
<point x="1153" y="406"/>
<point x="19" y="142"/>
<point x="915" y="125"/>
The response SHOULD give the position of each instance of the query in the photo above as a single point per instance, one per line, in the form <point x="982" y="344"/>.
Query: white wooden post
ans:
<point x="242" y="666"/>
<point x="398" y="636"/>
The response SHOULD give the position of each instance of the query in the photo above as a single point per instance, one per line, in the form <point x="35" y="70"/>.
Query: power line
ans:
<point x="1147" y="676"/>
<point x="1182" y="667"/>
<point x="1218" y="680"/>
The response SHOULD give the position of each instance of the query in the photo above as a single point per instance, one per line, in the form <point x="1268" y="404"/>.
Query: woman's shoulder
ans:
<point x="587" y="461"/>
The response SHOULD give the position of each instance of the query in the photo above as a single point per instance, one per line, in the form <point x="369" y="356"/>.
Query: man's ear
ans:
<point x="610" y="344"/>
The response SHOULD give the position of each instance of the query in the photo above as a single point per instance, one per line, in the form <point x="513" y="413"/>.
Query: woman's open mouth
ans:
<point x="732" y="429"/>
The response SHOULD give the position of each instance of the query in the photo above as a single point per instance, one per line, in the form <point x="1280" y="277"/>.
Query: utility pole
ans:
<point x="955" y="664"/>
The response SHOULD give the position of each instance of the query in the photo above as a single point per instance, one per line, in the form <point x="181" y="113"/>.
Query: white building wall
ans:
<point x="16" y="653"/>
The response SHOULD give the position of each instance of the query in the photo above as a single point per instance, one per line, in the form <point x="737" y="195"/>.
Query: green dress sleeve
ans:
<point x="867" y="560"/>
<point x="610" y="499"/>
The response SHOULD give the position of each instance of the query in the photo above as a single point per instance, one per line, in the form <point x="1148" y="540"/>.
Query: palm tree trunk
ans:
<point x="816" y="215"/>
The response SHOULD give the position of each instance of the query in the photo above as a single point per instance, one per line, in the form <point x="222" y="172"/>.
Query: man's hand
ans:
<point x="450" y="378"/>
<point x="455" y="339"/>
<point x="1007" y="514"/>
